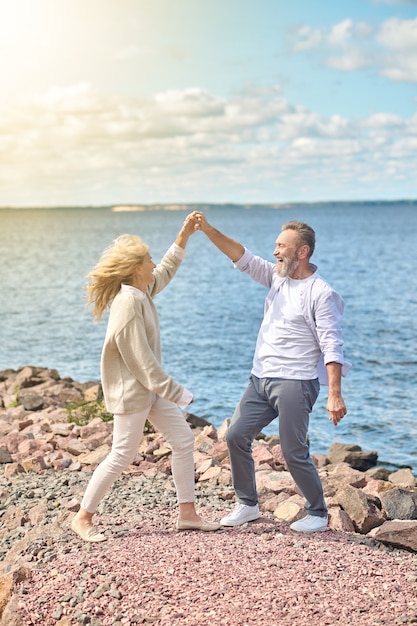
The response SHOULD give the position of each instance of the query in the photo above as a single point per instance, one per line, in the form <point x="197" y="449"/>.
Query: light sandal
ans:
<point x="89" y="534"/>
<point x="203" y="525"/>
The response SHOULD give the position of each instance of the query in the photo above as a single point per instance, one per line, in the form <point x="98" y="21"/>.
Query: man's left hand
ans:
<point x="336" y="408"/>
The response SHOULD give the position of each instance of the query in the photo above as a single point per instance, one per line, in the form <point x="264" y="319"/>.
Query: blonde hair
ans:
<point x="116" y="266"/>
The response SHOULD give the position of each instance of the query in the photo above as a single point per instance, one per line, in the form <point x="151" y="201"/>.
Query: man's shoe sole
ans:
<point x="322" y="529"/>
<point x="250" y="519"/>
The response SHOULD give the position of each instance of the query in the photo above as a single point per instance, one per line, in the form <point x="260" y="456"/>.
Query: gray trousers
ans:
<point x="265" y="399"/>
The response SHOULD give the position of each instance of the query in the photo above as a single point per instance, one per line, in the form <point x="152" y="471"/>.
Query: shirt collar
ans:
<point x="131" y="289"/>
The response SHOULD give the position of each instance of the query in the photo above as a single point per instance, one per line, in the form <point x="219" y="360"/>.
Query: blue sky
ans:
<point x="140" y="101"/>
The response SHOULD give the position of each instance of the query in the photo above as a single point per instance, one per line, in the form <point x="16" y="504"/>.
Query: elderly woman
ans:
<point x="135" y="386"/>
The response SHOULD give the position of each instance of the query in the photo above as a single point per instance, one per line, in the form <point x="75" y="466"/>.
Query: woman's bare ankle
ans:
<point x="83" y="518"/>
<point x="187" y="512"/>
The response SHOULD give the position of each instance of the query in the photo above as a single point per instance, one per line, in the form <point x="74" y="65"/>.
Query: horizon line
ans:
<point x="184" y="205"/>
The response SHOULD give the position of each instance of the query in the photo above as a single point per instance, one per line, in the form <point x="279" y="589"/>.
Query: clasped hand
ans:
<point x="194" y="221"/>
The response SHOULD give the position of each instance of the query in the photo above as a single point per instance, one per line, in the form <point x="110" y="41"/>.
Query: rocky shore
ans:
<point x="54" y="432"/>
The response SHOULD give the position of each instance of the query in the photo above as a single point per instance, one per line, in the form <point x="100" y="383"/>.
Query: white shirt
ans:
<point x="286" y="347"/>
<point x="322" y="308"/>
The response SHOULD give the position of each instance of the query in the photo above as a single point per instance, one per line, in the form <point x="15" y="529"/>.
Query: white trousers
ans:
<point x="167" y="418"/>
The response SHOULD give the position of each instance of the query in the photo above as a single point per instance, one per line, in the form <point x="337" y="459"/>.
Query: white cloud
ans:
<point x="341" y="35"/>
<point x="399" y="35"/>
<point x="304" y="37"/>
<point x="401" y="69"/>
<point x="348" y="46"/>
<point x="76" y="145"/>
<point x="300" y="123"/>
<point x="384" y="120"/>
<point x="399" y="39"/>
<point x="351" y="60"/>
<point x="344" y="46"/>
<point x="315" y="148"/>
<point x="348" y="36"/>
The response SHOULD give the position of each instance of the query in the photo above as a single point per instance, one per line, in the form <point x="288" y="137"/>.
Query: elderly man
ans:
<point x="299" y="340"/>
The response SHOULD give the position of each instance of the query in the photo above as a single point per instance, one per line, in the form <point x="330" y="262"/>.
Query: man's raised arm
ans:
<point x="231" y="248"/>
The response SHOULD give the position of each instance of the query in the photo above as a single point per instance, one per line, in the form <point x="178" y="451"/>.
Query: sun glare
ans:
<point x="34" y="36"/>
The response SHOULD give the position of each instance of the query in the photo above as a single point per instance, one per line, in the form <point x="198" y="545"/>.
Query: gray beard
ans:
<point x="289" y="265"/>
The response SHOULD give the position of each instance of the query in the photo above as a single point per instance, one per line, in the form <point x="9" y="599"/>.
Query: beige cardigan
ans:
<point x="131" y="371"/>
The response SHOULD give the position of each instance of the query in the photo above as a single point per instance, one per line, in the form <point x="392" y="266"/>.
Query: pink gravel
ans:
<point x="259" y="574"/>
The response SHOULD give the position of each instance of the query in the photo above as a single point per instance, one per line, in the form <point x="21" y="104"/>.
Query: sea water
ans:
<point x="210" y="313"/>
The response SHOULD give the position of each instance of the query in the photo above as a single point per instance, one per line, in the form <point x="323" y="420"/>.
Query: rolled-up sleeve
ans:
<point x="186" y="398"/>
<point x="242" y="264"/>
<point x="329" y="313"/>
<point x="177" y="251"/>
<point x="256" y="267"/>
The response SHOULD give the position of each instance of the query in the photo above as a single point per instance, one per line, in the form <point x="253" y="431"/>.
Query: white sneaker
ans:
<point x="241" y="513"/>
<point x="310" y="524"/>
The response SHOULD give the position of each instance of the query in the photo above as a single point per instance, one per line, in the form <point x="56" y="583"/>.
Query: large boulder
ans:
<point x="378" y="473"/>
<point x="274" y="481"/>
<point x="340" y="520"/>
<point x="333" y="476"/>
<point x="397" y="533"/>
<point x="403" y="477"/>
<point x="361" y="508"/>
<point x="31" y="401"/>
<point x="399" y="504"/>
<point x="353" y="455"/>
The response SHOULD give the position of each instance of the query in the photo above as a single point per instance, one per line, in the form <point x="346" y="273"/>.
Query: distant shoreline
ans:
<point x="190" y="206"/>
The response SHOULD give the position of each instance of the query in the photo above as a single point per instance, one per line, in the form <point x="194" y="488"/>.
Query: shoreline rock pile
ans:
<point x="52" y="433"/>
